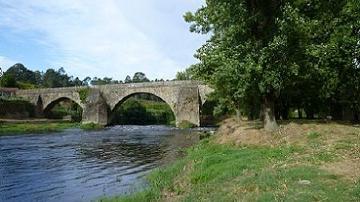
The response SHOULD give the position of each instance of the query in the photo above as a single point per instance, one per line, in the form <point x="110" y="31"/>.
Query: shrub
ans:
<point x="91" y="126"/>
<point x="186" y="124"/>
<point x="17" y="107"/>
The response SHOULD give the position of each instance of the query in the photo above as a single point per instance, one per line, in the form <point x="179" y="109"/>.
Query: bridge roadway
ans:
<point x="185" y="98"/>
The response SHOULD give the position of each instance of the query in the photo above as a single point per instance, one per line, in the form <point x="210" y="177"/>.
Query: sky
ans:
<point x="99" y="38"/>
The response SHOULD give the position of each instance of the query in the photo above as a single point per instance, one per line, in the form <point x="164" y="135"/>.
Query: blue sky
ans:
<point x="112" y="38"/>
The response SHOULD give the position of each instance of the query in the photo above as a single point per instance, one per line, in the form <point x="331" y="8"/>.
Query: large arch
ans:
<point x="123" y="99"/>
<point x="74" y="114"/>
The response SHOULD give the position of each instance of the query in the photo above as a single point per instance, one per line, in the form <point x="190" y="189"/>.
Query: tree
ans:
<point x="139" y="77"/>
<point x="21" y="73"/>
<point x="77" y="82"/>
<point x="51" y="79"/>
<point x="8" y="80"/>
<point x="86" y="81"/>
<point x="128" y="79"/>
<point x="104" y="81"/>
<point x="273" y="51"/>
<point x="183" y="75"/>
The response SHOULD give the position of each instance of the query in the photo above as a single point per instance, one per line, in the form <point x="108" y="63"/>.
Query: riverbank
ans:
<point x="307" y="161"/>
<point x="15" y="128"/>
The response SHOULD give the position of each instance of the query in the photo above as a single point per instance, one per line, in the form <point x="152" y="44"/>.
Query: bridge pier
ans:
<point x="187" y="107"/>
<point x="95" y="109"/>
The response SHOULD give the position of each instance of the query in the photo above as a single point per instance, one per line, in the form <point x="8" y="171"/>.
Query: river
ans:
<point x="76" y="165"/>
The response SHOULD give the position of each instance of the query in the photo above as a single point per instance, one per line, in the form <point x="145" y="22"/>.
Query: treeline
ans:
<point x="268" y="59"/>
<point x="19" y="76"/>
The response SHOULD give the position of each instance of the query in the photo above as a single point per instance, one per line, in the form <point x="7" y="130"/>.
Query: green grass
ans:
<point x="43" y="127"/>
<point x="91" y="126"/>
<point x="186" y="124"/>
<point x="313" y="135"/>
<point x="213" y="172"/>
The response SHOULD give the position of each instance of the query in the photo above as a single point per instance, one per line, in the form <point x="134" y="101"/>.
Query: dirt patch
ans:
<point x="349" y="168"/>
<point x="251" y="133"/>
<point x="334" y="147"/>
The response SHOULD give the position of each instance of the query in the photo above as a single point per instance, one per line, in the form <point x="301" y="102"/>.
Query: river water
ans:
<point x="75" y="165"/>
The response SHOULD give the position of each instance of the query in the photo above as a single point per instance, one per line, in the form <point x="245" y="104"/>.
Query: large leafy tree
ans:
<point x="22" y="74"/>
<point x="267" y="51"/>
<point x="139" y="77"/>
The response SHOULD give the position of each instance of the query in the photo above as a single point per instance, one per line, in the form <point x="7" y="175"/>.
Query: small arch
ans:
<point x="61" y="98"/>
<point x="141" y="98"/>
<point x="77" y="108"/>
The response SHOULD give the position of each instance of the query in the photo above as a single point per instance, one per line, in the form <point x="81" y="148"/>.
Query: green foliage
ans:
<point x="25" y="128"/>
<point x="16" y="107"/>
<point x="24" y="85"/>
<point x="184" y="75"/>
<point x="65" y="108"/>
<point x="139" y="77"/>
<point x="91" y="126"/>
<point x="103" y="81"/>
<point x="140" y="111"/>
<point x="8" y="80"/>
<point x="186" y="124"/>
<point x="299" y="54"/>
<point x="313" y="135"/>
<point x="84" y="93"/>
<point x="22" y="74"/>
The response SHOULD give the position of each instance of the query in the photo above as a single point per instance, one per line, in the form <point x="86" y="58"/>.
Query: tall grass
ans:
<point x="213" y="172"/>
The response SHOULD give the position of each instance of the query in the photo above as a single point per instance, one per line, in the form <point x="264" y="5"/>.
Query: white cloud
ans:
<point x="5" y="63"/>
<point x="103" y="37"/>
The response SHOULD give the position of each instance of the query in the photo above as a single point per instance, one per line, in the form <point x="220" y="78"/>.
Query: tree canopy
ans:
<point x="280" y="54"/>
<point x="21" y="77"/>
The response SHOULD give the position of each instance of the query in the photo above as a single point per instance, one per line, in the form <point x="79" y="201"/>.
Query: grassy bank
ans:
<point x="41" y="127"/>
<point x="300" y="162"/>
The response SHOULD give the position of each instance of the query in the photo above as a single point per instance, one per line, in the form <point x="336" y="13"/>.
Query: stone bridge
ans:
<point x="185" y="98"/>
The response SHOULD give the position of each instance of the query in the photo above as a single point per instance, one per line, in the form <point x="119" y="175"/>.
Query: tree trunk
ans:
<point x="309" y="113"/>
<point x="299" y="113"/>
<point x="285" y="113"/>
<point x="238" y="115"/>
<point x="269" y="115"/>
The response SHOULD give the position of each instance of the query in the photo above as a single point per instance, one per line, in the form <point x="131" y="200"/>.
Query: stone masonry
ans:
<point x="184" y="98"/>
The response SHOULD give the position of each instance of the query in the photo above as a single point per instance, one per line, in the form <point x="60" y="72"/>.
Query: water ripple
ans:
<point x="82" y="166"/>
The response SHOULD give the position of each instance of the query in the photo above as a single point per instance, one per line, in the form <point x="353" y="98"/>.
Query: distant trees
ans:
<point x="139" y="77"/>
<point x="20" y="77"/>
<point x="128" y="79"/>
<point x="183" y="75"/>
<point x="8" y="80"/>
<point x="21" y="73"/>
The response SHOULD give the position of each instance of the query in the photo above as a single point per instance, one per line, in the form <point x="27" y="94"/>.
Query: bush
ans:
<point x="142" y="112"/>
<point x="186" y="124"/>
<point x="91" y="126"/>
<point x="84" y="93"/>
<point x="16" y="108"/>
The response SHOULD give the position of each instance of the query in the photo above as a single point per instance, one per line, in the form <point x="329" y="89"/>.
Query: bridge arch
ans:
<point x="72" y="108"/>
<point x="52" y="103"/>
<point x="50" y="100"/>
<point x="122" y="98"/>
<point x="136" y="112"/>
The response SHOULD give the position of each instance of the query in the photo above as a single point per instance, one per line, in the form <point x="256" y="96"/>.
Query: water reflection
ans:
<point x="82" y="166"/>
